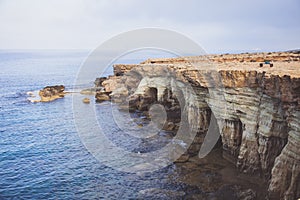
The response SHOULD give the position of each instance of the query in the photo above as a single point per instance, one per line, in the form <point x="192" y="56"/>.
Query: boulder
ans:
<point x="51" y="93"/>
<point x="86" y="100"/>
<point x="102" y="96"/>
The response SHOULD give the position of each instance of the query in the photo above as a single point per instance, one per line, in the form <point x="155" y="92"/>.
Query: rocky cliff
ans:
<point x="255" y="99"/>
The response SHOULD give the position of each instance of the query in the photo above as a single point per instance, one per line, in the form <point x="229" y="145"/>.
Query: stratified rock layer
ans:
<point x="257" y="109"/>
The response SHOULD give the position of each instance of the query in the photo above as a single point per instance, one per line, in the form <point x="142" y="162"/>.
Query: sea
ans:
<point x="43" y="157"/>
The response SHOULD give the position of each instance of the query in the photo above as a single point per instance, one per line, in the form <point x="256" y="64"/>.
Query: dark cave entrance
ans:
<point x="151" y="93"/>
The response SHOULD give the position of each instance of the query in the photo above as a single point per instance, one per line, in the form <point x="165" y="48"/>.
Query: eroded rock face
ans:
<point x="266" y="140"/>
<point x="257" y="110"/>
<point x="285" y="181"/>
<point x="98" y="82"/>
<point x="51" y="93"/>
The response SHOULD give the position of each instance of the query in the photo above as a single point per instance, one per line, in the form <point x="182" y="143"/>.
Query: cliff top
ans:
<point x="276" y="63"/>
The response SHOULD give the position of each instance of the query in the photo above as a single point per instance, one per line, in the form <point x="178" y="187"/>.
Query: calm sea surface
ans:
<point x="41" y="154"/>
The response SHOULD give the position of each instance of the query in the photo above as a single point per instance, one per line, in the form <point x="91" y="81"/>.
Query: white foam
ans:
<point x="33" y="96"/>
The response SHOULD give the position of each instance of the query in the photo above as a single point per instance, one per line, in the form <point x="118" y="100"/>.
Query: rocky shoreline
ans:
<point x="254" y="98"/>
<point x="260" y="129"/>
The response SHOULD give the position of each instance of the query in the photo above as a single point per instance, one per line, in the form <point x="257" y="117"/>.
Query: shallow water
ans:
<point x="42" y="156"/>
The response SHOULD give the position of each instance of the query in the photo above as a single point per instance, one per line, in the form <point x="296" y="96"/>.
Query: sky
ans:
<point x="218" y="26"/>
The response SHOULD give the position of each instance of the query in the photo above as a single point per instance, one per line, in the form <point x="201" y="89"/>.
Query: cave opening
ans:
<point x="232" y="132"/>
<point x="151" y="92"/>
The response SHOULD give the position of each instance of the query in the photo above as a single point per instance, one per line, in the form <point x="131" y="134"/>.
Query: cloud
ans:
<point x="84" y="24"/>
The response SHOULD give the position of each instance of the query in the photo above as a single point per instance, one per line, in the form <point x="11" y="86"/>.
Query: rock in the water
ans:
<point x="51" y="93"/>
<point x="86" y="100"/>
<point x="158" y="193"/>
<point x="169" y="126"/>
<point x="102" y="96"/>
<point x="90" y="91"/>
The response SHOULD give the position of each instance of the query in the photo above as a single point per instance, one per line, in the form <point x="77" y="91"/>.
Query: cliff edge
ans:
<point x="255" y="99"/>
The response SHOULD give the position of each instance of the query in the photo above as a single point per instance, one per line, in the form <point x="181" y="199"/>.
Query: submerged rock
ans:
<point x="90" y="91"/>
<point x="158" y="193"/>
<point x="234" y="192"/>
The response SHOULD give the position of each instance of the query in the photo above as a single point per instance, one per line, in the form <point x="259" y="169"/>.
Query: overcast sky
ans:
<point x="218" y="26"/>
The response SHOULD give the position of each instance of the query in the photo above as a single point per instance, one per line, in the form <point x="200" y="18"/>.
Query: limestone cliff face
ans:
<point x="260" y="127"/>
<point x="257" y="109"/>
